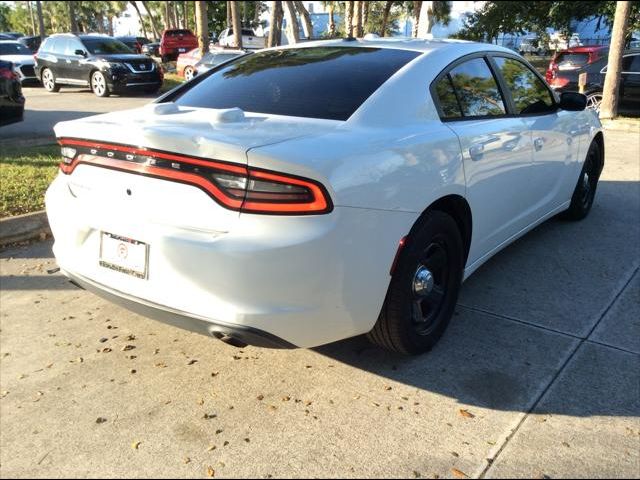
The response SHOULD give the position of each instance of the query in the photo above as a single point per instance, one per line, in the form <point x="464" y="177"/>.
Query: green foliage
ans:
<point x="497" y="17"/>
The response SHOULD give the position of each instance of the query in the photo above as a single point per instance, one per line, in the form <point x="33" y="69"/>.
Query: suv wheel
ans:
<point x="99" y="84"/>
<point x="188" y="73"/>
<point x="49" y="81"/>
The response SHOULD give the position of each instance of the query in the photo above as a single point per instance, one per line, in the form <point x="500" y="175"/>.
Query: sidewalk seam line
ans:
<point x="490" y="464"/>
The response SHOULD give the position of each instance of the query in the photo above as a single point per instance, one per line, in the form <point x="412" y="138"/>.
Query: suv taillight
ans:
<point x="8" y="74"/>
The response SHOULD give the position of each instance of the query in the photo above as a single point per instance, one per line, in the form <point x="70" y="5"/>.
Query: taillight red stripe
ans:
<point x="321" y="202"/>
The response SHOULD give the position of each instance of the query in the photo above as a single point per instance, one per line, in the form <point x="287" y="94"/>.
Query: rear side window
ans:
<point x="529" y="93"/>
<point x="476" y="90"/>
<point x="178" y="33"/>
<point x="571" y="60"/>
<point x="318" y="82"/>
<point x="447" y="98"/>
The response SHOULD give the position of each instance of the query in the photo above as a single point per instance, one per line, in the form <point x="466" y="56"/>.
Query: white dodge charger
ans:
<point x="297" y="196"/>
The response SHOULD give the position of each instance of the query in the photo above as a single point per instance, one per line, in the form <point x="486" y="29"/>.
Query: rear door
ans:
<point x="496" y="149"/>
<point x="630" y="87"/>
<point x="553" y="133"/>
<point x="75" y="64"/>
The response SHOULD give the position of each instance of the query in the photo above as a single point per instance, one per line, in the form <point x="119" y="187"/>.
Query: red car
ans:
<point x="176" y="41"/>
<point x="186" y="62"/>
<point x="573" y="59"/>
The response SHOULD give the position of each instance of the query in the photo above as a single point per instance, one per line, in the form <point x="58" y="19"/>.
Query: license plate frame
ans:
<point x="124" y="255"/>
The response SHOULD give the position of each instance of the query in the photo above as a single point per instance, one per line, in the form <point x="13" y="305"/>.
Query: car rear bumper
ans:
<point x="289" y="280"/>
<point x="239" y="335"/>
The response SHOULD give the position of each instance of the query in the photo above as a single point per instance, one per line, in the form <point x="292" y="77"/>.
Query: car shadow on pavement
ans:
<point x="526" y="314"/>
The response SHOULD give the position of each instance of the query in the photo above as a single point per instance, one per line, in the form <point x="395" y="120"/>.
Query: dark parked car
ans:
<point x="628" y="90"/>
<point x="103" y="63"/>
<point x="152" y="49"/>
<point x="11" y="99"/>
<point x="134" y="43"/>
<point x="32" y="42"/>
<point x="11" y="35"/>
<point x="175" y="42"/>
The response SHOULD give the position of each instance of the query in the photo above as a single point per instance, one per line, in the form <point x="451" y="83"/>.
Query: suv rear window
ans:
<point x="177" y="33"/>
<point x="572" y="60"/>
<point x="317" y="82"/>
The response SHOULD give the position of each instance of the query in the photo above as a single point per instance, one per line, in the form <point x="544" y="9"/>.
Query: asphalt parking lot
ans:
<point x="44" y="109"/>
<point x="538" y="374"/>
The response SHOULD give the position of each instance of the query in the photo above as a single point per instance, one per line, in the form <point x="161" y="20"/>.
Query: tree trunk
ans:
<point x="144" y="29"/>
<point x="307" y="26"/>
<point x="73" y="23"/>
<point x="167" y="16"/>
<point x="365" y="16"/>
<point x="202" y="26"/>
<point x="40" y="19"/>
<point x="348" y="19"/>
<point x="275" y="25"/>
<point x="385" y="17"/>
<point x="33" y="18"/>
<point x="229" y="19"/>
<point x="357" y="19"/>
<point x="293" y="33"/>
<point x="152" y="19"/>
<point x="237" y="24"/>
<point x="256" y="14"/>
<point x="332" y="21"/>
<point x="417" y="7"/>
<point x="609" y="105"/>
<point x="425" y="22"/>
<point x="176" y="17"/>
<point x="185" y="14"/>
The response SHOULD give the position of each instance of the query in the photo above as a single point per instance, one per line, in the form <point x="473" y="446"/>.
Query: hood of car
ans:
<point x="19" y="59"/>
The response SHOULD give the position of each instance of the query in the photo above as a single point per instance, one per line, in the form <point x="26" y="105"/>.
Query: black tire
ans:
<point x="48" y="80"/>
<point x="585" y="191"/>
<point x="403" y="326"/>
<point x="99" y="84"/>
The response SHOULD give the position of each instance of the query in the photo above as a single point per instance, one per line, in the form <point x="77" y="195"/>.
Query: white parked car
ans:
<point x="21" y="57"/>
<point x="250" y="40"/>
<point x="348" y="193"/>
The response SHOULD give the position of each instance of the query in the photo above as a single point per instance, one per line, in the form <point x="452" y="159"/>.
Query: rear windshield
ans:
<point x="99" y="46"/>
<point x="14" y="49"/>
<point x="177" y="33"/>
<point x="572" y="59"/>
<point x="319" y="82"/>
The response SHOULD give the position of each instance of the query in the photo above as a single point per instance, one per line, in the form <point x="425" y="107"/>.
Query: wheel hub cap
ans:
<point x="585" y="181"/>
<point x="423" y="281"/>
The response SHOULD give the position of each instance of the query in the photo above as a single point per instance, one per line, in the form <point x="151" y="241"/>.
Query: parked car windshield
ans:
<point x="105" y="46"/>
<point x="318" y="82"/>
<point x="572" y="59"/>
<point x="11" y="48"/>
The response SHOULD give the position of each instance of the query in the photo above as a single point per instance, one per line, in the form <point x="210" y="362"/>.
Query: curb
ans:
<point x="621" y="125"/>
<point x="24" y="227"/>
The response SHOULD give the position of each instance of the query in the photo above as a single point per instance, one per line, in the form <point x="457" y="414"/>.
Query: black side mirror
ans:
<point x="573" y="101"/>
<point x="82" y="53"/>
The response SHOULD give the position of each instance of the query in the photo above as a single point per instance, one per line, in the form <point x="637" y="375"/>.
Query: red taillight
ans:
<point x="558" y="82"/>
<point x="234" y="186"/>
<point x="7" y="73"/>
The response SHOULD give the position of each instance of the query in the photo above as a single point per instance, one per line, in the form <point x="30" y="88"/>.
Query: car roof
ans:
<point x="403" y="43"/>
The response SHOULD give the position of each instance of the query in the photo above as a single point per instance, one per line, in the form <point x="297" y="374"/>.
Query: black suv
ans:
<point x="101" y="62"/>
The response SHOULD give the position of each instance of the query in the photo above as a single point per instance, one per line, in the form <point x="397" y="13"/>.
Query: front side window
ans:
<point x="529" y="93"/>
<point x="631" y="64"/>
<point x="476" y="89"/>
<point x="317" y="82"/>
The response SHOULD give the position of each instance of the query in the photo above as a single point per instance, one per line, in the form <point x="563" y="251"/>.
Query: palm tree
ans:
<point x="40" y="19"/>
<point x="152" y="19"/>
<point x="385" y="17"/>
<point x="357" y="19"/>
<point x="348" y="19"/>
<point x="237" y="24"/>
<point x="144" y="29"/>
<point x="275" y="22"/>
<point x="306" y="19"/>
<point x="430" y="13"/>
<point x="293" y="34"/>
<point x="609" y="105"/>
<point x="202" y="26"/>
<point x="73" y="24"/>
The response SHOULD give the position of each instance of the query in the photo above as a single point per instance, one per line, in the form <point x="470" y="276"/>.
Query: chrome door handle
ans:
<point x="538" y="143"/>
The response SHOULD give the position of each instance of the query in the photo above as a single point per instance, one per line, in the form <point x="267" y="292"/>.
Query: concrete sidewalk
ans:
<point x="537" y="375"/>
